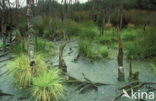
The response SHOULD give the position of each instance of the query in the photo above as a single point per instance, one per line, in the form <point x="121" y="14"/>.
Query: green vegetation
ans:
<point x="90" y="50"/>
<point x="48" y="85"/>
<point x="48" y="27"/>
<point x="103" y="50"/>
<point x="22" y="72"/>
<point x="142" y="40"/>
<point x="42" y="46"/>
<point x="143" y="45"/>
<point x="52" y="28"/>
<point x="153" y="68"/>
<point x="109" y="36"/>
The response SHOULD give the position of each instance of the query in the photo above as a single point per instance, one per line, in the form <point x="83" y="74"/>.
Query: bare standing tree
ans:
<point x="17" y="4"/>
<point x="121" y="75"/>
<point x="63" y="20"/>
<point x="121" y="17"/>
<point x="30" y="4"/>
<point x="3" y="24"/>
<point x="62" y="64"/>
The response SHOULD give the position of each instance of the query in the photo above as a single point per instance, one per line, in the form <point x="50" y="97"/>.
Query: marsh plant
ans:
<point x="91" y="50"/>
<point x="21" y="70"/>
<point x="48" y="85"/>
<point x="103" y="51"/>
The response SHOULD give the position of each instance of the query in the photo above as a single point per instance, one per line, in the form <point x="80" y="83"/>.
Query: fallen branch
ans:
<point x="128" y="91"/>
<point x="22" y="98"/>
<point x="130" y="84"/>
<point x="136" y="85"/>
<point x="5" y="94"/>
<point x="4" y="54"/>
<point x="84" y="85"/>
<point x="8" y="71"/>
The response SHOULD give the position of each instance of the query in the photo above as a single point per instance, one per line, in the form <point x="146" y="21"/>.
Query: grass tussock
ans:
<point x="48" y="86"/>
<point x="22" y="72"/>
<point x="91" y="50"/>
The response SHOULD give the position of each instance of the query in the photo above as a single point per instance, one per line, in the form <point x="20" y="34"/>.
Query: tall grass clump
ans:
<point x="48" y="26"/>
<point x="92" y="51"/>
<point x="148" y="42"/>
<point x="44" y="47"/>
<point x="86" y="49"/>
<point x="48" y="86"/>
<point x="22" y="72"/>
<point x="131" y="34"/>
<point x="41" y="46"/>
<point x="19" y="46"/>
<point x="109" y="36"/>
<point x="83" y="30"/>
<point x="132" y="51"/>
<point x="144" y="45"/>
<point x="103" y="51"/>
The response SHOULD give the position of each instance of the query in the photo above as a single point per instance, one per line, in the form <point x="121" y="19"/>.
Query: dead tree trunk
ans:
<point x="101" y="22"/>
<point x="121" y="75"/>
<point x="62" y="64"/>
<point x="132" y="76"/>
<point x="63" y="21"/>
<point x="121" y="17"/>
<point x="3" y="26"/>
<point x="17" y="4"/>
<point x="71" y="11"/>
<point x="130" y="68"/>
<point x="30" y="30"/>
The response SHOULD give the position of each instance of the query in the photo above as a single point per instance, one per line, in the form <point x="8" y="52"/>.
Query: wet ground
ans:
<point x="104" y="71"/>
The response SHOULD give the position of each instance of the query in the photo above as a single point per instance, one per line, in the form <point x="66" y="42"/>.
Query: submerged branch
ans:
<point x="136" y="85"/>
<point x="84" y="85"/>
<point x="5" y="94"/>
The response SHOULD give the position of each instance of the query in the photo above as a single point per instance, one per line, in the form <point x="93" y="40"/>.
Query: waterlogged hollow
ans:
<point x="103" y="71"/>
